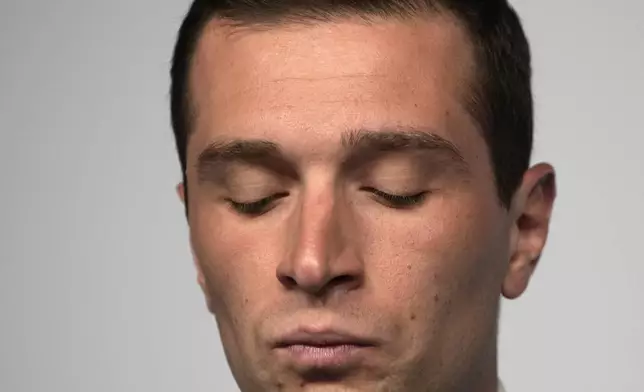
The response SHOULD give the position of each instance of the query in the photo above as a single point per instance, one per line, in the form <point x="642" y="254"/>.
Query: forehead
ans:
<point x="280" y="81"/>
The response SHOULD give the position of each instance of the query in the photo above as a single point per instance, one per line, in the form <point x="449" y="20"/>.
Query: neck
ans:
<point x="483" y="374"/>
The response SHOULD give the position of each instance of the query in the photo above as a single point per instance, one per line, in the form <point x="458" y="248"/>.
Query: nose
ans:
<point x="322" y="257"/>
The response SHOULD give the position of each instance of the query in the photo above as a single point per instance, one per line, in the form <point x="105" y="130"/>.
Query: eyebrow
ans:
<point x="213" y="160"/>
<point x="365" y="145"/>
<point x="361" y="146"/>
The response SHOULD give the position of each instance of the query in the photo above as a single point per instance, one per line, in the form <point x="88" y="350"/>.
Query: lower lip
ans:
<point x="336" y="356"/>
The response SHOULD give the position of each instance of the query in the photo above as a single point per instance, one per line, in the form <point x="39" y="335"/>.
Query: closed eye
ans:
<point x="397" y="201"/>
<point x="257" y="207"/>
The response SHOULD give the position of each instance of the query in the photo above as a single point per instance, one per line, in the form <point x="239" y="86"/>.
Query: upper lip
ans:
<point x="322" y="338"/>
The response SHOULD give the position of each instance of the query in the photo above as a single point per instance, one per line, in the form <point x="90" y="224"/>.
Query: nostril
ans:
<point x="288" y="281"/>
<point x="342" y="282"/>
<point x="345" y="281"/>
<point x="342" y="279"/>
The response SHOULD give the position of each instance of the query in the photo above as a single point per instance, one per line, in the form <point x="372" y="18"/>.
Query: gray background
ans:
<point x="97" y="290"/>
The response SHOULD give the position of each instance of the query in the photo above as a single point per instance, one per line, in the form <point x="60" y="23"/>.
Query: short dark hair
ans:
<point x="501" y="97"/>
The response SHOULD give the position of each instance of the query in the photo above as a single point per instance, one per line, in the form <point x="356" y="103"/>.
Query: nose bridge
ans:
<point x="318" y="240"/>
<point x="319" y="243"/>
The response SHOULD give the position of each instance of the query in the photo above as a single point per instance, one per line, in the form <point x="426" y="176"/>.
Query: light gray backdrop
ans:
<point x="97" y="290"/>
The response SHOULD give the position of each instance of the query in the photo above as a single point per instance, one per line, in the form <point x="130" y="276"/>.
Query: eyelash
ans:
<point x="260" y="207"/>
<point x="398" y="201"/>
<point x="256" y="208"/>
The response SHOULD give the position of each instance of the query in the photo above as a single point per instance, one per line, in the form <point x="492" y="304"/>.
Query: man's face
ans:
<point x="343" y="211"/>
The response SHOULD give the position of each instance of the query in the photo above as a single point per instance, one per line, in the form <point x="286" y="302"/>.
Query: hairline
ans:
<point x="471" y="88"/>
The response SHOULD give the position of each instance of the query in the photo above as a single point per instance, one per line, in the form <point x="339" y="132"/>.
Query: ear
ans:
<point x="181" y="192"/>
<point x="201" y="280"/>
<point x="530" y="211"/>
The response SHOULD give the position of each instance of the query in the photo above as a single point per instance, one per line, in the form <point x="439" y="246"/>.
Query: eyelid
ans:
<point x="402" y="202"/>
<point x="256" y="207"/>
<point x="378" y="192"/>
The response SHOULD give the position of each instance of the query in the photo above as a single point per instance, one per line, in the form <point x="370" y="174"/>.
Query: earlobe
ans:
<point x="181" y="192"/>
<point x="531" y="209"/>
<point x="201" y="280"/>
<point x="200" y="277"/>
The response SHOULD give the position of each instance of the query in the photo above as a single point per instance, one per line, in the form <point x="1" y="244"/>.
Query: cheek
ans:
<point x="435" y="273"/>
<point x="236" y="263"/>
<point x="431" y="257"/>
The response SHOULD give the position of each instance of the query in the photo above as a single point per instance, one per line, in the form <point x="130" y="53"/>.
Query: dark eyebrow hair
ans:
<point x="365" y="145"/>
<point x="361" y="146"/>
<point x="214" y="158"/>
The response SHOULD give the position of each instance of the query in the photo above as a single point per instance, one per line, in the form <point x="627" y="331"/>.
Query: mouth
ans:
<point x="328" y="350"/>
<point x="323" y="339"/>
